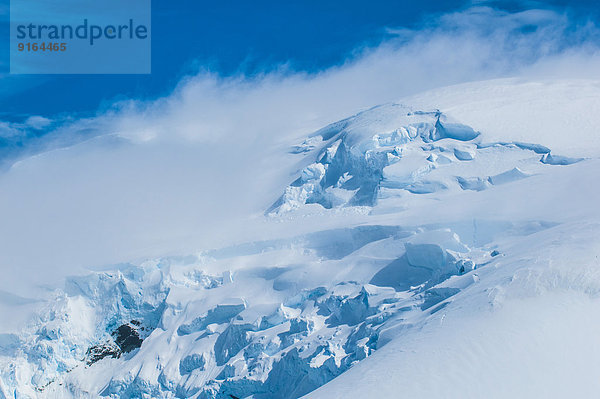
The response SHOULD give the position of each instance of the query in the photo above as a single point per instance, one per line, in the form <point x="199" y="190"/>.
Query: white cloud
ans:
<point x="480" y="43"/>
<point x="37" y="122"/>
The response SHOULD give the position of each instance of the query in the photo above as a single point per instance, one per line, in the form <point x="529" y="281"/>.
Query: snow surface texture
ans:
<point x="427" y="240"/>
<point x="373" y="155"/>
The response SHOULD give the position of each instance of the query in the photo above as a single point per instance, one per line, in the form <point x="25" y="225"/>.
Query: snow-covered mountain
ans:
<point x="442" y="246"/>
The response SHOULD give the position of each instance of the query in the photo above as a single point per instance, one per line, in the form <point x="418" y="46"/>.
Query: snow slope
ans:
<point x="441" y="246"/>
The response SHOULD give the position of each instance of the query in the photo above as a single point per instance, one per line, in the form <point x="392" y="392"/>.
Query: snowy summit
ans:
<point x="438" y="246"/>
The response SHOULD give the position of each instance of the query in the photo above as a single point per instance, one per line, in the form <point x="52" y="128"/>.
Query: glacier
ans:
<point x="416" y="248"/>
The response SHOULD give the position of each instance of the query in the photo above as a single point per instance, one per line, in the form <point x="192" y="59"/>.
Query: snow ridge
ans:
<point x="220" y="344"/>
<point x="393" y="147"/>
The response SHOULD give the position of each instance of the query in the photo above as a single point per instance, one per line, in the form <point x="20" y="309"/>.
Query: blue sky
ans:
<point x="229" y="38"/>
